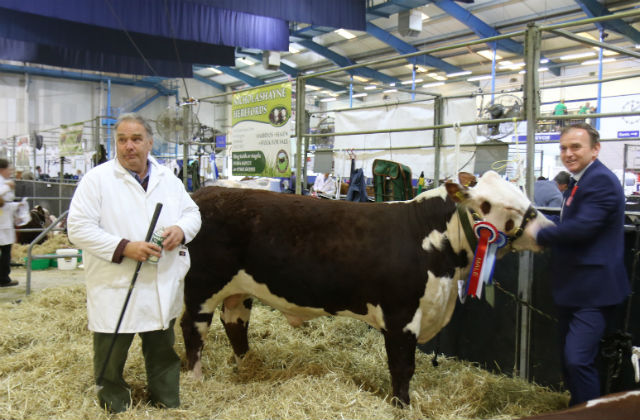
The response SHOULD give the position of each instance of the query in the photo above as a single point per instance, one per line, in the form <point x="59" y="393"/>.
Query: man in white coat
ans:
<point x="7" y="230"/>
<point x="109" y="216"/>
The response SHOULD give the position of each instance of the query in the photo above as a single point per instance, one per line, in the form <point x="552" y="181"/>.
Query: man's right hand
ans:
<point x="140" y="250"/>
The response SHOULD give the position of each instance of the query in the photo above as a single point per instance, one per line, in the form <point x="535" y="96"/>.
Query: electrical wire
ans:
<point x="175" y="47"/>
<point x="113" y="12"/>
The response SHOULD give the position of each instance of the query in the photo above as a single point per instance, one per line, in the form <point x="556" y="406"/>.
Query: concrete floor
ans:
<point x="40" y="280"/>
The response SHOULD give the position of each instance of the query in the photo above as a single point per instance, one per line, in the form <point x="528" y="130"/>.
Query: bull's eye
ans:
<point x="508" y="226"/>
<point x="485" y="207"/>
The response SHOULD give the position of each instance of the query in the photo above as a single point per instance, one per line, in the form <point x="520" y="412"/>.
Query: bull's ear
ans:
<point x="467" y="179"/>
<point x="457" y="192"/>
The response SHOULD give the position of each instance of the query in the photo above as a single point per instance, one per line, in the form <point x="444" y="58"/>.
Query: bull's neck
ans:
<point x="456" y="231"/>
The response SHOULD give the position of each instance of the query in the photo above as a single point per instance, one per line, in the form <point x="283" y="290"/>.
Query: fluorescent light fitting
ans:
<point x="421" y="69"/>
<point x="359" y="95"/>
<point x="596" y="61"/>
<point x="544" y="61"/>
<point x="608" y="53"/>
<point x="637" y="46"/>
<point x="408" y="82"/>
<point x="361" y="79"/>
<point x="311" y="87"/>
<point x="327" y="100"/>
<point x="294" y="48"/>
<point x="459" y="73"/>
<point x="577" y="55"/>
<point x="370" y="87"/>
<point x="475" y="78"/>
<point x="424" y="16"/>
<point x="488" y="54"/>
<point x="432" y="84"/>
<point x="390" y="91"/>
<point x="541" y="69"/>
<point x="392" y="84"/>
<point x="344" y="33"/>
<point x="522" y="72"/>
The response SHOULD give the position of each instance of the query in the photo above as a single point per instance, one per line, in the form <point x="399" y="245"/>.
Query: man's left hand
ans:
<point x="173" y="237"/>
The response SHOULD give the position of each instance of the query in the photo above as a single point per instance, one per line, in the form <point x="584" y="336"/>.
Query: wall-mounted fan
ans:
<point x="503" y="106"/>
<point x="177" y="124"/>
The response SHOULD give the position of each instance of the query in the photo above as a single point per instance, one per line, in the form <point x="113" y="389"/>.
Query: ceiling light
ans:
<point x="475" y="78"/>
<point x="609" y="53"/>
<point x="409" y="82"/>
<point x="345" y="34"/>
<point x="522" y="72"/>
<point x="433" y="84"/>
<point x="488" y="54"/>
<point x="421" y="69"/>
<point x="294" y="48"/>
<point x="424" y="16"/>
<point x="327" y="99"/>
<point x="459" y="73"/>
<point x="311" y="87"/>
<point x="392" y="84"/>
<point x="541" y="69"/>
<point x="370" y="87"/>
<point x="390" y="91"/>
<point x="544" y="61"/>
<point x="359" y="95"/>
<point x="637" y="46"/>
<point x="596" y="61"/>
<point x="361" y="79"/>
<point x="409" y="66"/>
<point x="587" y="35"/>
<point x="577" y="55"/>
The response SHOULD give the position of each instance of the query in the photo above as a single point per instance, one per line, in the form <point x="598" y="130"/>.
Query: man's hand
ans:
<point x="173" y="237"/>
<point x="141" y="250"/>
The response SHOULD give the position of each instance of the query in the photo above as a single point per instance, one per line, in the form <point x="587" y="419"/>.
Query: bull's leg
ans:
<point x="401" y="353"/>
<point x="194" y="330"/>
<point x="235" y="314"/>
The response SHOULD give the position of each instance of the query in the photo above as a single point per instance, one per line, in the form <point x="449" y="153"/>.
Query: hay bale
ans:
<point x="19" y="251"/>
<point x="328" y="368"/>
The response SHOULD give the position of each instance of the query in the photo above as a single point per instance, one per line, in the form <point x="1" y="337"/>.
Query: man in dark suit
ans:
<point x="588" y="273"/>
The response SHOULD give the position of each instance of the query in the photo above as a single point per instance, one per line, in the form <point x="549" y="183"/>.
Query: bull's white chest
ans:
<point x="435" y="308"/>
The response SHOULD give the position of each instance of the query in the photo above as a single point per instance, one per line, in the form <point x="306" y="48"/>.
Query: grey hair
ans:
<point x="132" y="116"/>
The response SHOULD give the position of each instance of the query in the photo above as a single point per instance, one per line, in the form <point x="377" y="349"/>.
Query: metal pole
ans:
<point x="185" y="146"/>
<point x="437" y="139"/>
<point x="525" y="271"/>
<point x="300" y="98"/>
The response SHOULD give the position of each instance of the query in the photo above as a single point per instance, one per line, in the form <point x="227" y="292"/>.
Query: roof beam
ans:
<point x="85" y="77"/>
<point x="209" y="82"/>
<point x="484" y="30"/>
<point x="594" y="9"/>
<point x="250" y="80"/>
<point x="406" y="48"/>
<point x="344" y="62"/>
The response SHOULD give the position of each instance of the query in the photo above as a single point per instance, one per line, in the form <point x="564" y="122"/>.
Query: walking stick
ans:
<point x="152" y="227"/>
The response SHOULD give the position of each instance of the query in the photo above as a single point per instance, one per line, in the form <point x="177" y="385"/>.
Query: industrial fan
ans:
<point x="503" y="106"/>
<point x="177" y="124"/>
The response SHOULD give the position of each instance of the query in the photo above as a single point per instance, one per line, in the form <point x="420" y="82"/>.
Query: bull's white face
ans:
<point x="502" y="204"/>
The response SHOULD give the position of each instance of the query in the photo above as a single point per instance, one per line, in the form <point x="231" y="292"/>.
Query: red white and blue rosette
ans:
<point x="490" y="240"/>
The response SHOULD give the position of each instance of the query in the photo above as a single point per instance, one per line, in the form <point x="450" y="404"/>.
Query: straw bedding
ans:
<point x="330" y="368"/>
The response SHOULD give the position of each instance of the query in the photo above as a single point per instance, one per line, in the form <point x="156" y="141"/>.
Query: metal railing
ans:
<point x="31" y="257"/>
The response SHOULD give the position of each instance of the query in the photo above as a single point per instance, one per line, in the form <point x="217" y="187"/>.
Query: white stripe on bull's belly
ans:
<point x="374" y="316"/>
<point x="435" y="309"/>
<point x="434" y="240"/>
<point x="243" y="283"/>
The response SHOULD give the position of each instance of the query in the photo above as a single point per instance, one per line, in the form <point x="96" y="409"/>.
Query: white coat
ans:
<point x="109" y="205"/>
<point x="7" y="229"/>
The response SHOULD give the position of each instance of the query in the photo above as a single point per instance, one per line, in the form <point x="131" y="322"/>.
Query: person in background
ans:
<point x="324" y="184"/>
<point x="589" y="277"/>
<point x="546" y="193"/>
<point x="560" y="109"/>
<point x="38" y="172"/>
<point x="585" y="109"/>
<point x="7" y="229"/>
<point x="562" y="179"/>
<point x="109" y="216"/>
<point x="421" y="182"/>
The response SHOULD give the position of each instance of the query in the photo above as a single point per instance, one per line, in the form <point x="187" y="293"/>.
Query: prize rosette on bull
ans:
<point x="489" y="241"/>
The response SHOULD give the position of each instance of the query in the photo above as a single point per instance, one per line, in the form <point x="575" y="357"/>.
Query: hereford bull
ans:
<point x="392" y="265"/>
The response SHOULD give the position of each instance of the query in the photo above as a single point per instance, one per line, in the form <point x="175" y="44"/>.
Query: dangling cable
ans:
<point x="113" y="12"/>
<point x="175" y="47"/>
